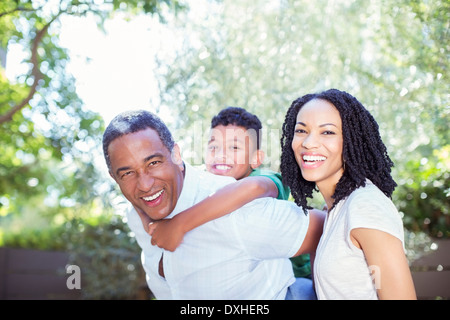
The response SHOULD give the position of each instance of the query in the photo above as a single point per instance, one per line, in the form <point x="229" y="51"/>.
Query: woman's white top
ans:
<point x="340" y="269"/>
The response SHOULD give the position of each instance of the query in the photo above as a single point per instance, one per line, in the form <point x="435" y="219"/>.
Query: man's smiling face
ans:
<point x="148" y="174"/>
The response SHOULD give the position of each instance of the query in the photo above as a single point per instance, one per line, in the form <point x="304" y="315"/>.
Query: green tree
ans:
<point x="48" y="139"/>
<point x="52" y="195"/>
<point x="392" y="55"/>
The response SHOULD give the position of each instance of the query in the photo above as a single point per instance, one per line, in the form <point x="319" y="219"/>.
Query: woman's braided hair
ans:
<point x="364" y="153"/>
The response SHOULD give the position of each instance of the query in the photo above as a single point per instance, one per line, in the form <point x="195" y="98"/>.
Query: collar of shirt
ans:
<point x="186" y="198"/>
<point x="192" y="189"/>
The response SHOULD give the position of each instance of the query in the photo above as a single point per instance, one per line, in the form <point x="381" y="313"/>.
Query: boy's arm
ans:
<point x="228" y="199"/>
<point x="168" y="233"/>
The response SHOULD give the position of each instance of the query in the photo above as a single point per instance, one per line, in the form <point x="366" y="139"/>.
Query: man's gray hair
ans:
<point x="133" y="121"/>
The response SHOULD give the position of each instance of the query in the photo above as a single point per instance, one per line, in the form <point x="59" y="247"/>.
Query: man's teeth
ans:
<point x="313" y="158"/>
<point x="153" y="197"/>
<point x="222" y="167"/>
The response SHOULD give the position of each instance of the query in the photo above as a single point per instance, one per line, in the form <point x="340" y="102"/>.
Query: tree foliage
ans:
<point x="50" y="186"/>
<point x="392" y="55"/>
<point x="48" y="139"/>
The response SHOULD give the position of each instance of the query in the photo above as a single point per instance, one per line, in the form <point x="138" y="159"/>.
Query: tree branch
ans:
<point x="35" y="72"/>
<point x="15" y="10"/>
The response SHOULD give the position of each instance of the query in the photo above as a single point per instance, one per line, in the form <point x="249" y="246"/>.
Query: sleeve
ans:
<point x="283" y="191"/>
<point x="270" y="228"/>
<point x="370" y="208"/>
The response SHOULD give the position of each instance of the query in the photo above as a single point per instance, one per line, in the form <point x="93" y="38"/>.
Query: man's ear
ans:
<point x="176" y="156"/>
<point x="257" y="159"/>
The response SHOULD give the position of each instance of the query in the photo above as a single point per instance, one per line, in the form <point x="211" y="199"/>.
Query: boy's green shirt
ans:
<point x="300" y="264"/>
<point x="283" y="191"/>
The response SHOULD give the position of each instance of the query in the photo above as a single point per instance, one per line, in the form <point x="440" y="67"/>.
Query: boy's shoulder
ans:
<point x="283" y="191"/>
<point x="265" y="172"/>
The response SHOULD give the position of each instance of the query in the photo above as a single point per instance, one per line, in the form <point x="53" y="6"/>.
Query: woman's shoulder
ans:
<point x="369" y="193"/>
<point x="369" y="207"/>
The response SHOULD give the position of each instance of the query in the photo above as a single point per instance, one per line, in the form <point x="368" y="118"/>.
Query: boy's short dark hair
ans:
<point x="238" y="117"/>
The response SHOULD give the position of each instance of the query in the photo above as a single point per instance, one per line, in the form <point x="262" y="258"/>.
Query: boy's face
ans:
<point x="232" y="151"/>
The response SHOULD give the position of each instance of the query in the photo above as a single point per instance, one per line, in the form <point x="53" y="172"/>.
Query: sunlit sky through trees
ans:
<point x="113" y="68"/>
<point x="259" y="55"/>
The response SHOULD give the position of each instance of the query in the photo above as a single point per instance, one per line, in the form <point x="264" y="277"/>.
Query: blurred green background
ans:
<point x="393" y="55"/>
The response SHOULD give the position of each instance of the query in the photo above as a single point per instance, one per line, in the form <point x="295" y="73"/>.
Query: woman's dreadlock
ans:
<point x="364" y="153"/>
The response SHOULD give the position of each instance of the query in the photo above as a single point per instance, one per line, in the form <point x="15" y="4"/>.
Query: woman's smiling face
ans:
<point x="318" y="143"/>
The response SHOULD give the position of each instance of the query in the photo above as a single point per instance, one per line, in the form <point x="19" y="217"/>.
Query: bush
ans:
<point x="423" y="195"/>
<point x="109" y="259"/>
<point x="103" y="248"/>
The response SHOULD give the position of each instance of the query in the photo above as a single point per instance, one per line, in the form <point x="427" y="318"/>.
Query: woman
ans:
<point x="331" y="142"/>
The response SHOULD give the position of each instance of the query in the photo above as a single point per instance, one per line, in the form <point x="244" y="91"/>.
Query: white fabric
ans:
<point x="340" y="269"/>
<point x="243" y="255"/>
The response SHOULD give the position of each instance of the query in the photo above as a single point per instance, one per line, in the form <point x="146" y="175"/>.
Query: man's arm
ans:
<point x="169" y="233"/>
<point x="315" y="229"/>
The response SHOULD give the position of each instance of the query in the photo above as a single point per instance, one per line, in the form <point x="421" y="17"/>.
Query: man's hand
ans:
<point x="166" y="234"/>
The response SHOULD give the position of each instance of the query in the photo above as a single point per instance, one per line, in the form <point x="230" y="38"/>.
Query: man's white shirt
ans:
<point x="243" y="255"/>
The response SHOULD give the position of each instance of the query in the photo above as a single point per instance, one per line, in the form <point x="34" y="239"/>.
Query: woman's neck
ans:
<point x="327" y="192"/>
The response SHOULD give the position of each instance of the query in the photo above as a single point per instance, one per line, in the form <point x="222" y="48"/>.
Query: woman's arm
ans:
<point x="387" y="261"/>
<point x="168" y="233"/>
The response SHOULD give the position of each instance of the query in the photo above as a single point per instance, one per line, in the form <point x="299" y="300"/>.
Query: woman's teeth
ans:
<point x="313" y="158"/>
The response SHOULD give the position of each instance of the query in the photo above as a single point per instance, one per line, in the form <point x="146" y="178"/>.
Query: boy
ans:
<point x="233" y="150"/>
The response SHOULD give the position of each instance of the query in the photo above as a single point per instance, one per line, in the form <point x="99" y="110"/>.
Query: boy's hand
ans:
<point x="166" y="234"/>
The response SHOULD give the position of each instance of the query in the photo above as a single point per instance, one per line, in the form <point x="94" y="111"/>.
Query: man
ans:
<point x="243" y="255"/>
